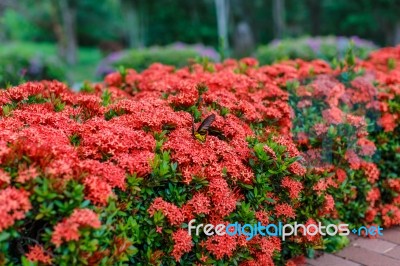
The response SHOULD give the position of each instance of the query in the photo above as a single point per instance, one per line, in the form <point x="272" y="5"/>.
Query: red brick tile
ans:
<point x="353" y="237"/>
<point x="391" y="235"/>
<point x="367" y="257"/>
<point x="331" y="260"/>
<point x="394" y="253"/>
<point x="396" y="228"/>
<point x="377" y="245"/>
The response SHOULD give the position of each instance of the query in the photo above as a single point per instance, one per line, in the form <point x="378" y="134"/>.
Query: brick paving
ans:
<point x="382" y="251"/>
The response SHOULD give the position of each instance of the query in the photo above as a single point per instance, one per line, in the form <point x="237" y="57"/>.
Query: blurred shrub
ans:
<point x="142" y="59"/>
<point x="177" y="54"/>
<point x="17" y="26"/>
<point x="23" y="61"/>
<point x="308" y="48"/>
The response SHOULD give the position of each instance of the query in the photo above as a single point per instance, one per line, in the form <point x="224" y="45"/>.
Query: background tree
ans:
<point x="222" y="10"/>
<point x="64" y="16"/>
<point x="370" y="19"/>
<point x="133" y="14"/>
<point x="138" y="23"/>
<point x="278" y="14"/>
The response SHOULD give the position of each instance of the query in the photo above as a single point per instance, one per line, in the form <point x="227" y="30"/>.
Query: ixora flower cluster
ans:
<point x="114" y="173"/>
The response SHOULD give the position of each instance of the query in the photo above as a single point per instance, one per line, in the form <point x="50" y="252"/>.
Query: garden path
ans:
<point x="382" y="251"/>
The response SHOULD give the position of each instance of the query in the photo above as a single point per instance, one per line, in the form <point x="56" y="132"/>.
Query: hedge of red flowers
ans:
<point x="113" y="174"/>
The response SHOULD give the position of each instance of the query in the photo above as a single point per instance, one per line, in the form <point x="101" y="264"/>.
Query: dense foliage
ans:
<point x="161" y="22"/>
<point x="308" y="48"/>
<point x="112" y="174"/>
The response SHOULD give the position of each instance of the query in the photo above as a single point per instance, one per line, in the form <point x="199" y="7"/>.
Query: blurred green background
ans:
<point x="78" y="40"/>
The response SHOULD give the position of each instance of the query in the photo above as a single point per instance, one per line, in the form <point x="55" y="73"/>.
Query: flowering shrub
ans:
<point x="347" y="123"/>
<point x="113" y="174"/>
<point x="335" y="142"/>
<point x="308" y="48"/>
<point x="385" y="64"/>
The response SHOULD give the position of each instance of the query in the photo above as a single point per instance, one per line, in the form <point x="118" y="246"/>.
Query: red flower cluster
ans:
<point x="221" y="246"/>
<point x="44" y="136"/>
<point x="293" y="186"/>
<point x="182" y="243"/>
<point x="372" y="94"/>
<point x="68" y="229"/>
<point x="37" y="254"/>
<point x="172" y="212"/>
<point x="14" y="203"/>
<point x="97" y="139"/>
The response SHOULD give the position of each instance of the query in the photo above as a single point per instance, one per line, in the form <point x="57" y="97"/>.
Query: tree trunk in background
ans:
<point x="67" y="39"/>
<point x="314" y="7"/>
<point x="278" y="15"/>
<point x="243" y="40"/>
<point x="222" y="7"/>
<point x="396" y="35"/>
<point x="133" y="27"/>
<point x="2" y="33"/>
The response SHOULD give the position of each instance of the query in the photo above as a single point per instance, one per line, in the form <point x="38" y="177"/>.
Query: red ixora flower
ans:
<point x="182" y="243"/>
<point x="263" y="217"/>
<point x="284" y="210"/>
<point x="199" y="204"/>
<point x="388" y="122"/>
<point x="37" y="254"/>
<point x="367" y="147"/>
<point x="269" y="151"/>
<point x="68" y="229"/>
<point x="373" y="195"/>
<point x="203" y="258"/>
<point x="14" y="203"/>
<point x="311" y="238"/>
<point x="4" y="177"/>
<point x="329" y="205"/>
<point x="371" y="171"/>
<point x="353" y="159"/>
<point x="27" y="174"/>
<point x="333" y="115"/>
<point x="172" y="212"/>
<point x="390" y="215"/>
<point x="293" y="186"/>
<point x="341" y="175"/>
<point x="221" y="246"/>
<point x="297" y="169"/>
<point x="370" y="215"/>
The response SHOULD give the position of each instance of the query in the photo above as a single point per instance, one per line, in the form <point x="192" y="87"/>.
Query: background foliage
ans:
<point x="114" y="25"/>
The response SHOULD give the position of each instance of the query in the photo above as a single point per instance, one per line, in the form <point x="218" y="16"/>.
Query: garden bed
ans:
<point x="114" y="174"/>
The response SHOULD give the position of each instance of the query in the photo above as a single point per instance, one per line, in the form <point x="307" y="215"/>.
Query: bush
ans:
<point x="387" y="130"/>
<point x="23" y="61"/>
<point x="178" y="55"/>
<point x="113" y="174"/>
<point x="331" y="130"/>
<point x="309" y="48"/>
<point x="349" y="119"/>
